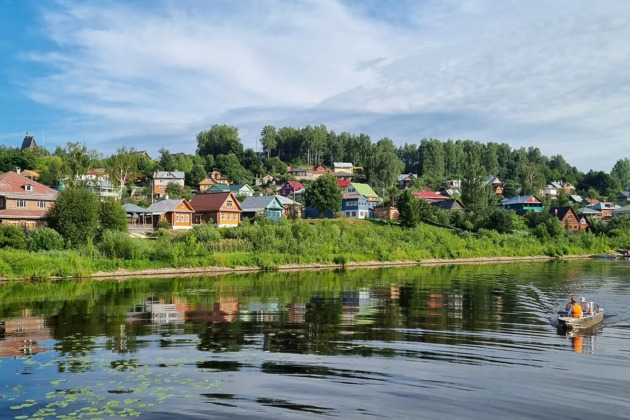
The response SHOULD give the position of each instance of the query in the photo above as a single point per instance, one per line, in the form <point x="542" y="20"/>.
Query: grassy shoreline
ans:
<point x="301" y="245"/>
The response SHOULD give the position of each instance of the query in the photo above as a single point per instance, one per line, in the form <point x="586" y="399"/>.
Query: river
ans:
<point x="456" y="342"/>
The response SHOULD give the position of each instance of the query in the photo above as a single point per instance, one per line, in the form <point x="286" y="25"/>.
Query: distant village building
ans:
<point x="28" y="142"/>
<point x="24" y="202"/>
<point x="606" y="208"/>
<point x="496" y="183"/>
<point x="162" y="178"/>
<point x="177" y="212"/>
<point x="569" y="218"/>
<point x="554" y="188"/>
<point x="221" y="208"/>
<point x="521" y="203"/>
<point x="406" y="180"/>
<point x="214" y="178"/>
<point x="429" y="196"/>
<point x="450" y="205"/>
<point x="236" y="189"/>
<point x="268" y="206"/>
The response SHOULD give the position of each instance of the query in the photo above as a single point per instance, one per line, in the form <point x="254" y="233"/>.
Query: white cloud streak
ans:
<point x="548" y="74"/>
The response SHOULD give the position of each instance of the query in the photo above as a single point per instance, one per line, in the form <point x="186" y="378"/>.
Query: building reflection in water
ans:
<point x="19" y="336"/>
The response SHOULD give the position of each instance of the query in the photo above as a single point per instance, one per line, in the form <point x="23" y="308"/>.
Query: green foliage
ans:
<point x="44" y="239"/>
<point x="499" y="220"/>
<point x="112" y="216"/>
<point x="219" y="140"/>
<point x="117" y="244"/>
<point x="408" y="209"/>
<point x="324" y="195"/>
<point x="12" y="236"/>
<point x="75" y="215"/>
<point x="383" y="166"/>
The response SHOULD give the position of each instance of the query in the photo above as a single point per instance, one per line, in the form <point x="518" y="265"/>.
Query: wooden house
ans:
<point x="162" y="178"/>
<point x="606" y="208"/>
<point x="450" y="205"/>
<point x="569" y="218"/>
<point x="523" y="203"/>
<point x="24" y="202"/>
<point x="356" y="206"/>
<point x="406" y="180"/>
<point x="496" y="183"/>
<point x="177" y="212"/>
<point x="220" y="208"/>
<point x="268" y="206"/>
<point x="292" y="189"/>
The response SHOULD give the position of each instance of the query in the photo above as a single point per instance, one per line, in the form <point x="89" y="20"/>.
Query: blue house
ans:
<point x="266" y="205"/>
<point x="356" y="206"/>
<point x="313" y="213"/>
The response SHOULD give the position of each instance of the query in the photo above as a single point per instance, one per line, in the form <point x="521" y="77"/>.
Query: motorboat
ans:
<point x="592" y="315"/>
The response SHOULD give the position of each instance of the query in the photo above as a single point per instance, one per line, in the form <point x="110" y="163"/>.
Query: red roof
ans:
<point x="15" y="184"/>
<point x="429" y="195"/>
<point x="205" y="202"/>
<point x="344" y="183"/>
<point x="591" y="200"/>
<point x="296" y="185"/>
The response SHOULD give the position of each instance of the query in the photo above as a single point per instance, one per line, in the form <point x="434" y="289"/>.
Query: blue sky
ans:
<point x="153" y="73"/>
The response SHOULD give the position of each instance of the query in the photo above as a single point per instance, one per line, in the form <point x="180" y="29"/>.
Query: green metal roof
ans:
<point x="364" y="189"/>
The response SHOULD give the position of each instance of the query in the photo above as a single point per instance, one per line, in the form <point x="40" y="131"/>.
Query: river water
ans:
<point x="458" y="342"/>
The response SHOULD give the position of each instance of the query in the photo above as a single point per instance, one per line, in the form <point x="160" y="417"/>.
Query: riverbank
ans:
<point x="215" y="271"/>
<point x="286" y="246"/>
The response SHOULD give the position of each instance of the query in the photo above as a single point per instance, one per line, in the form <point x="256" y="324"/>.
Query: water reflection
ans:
<point x="420" y="329"/>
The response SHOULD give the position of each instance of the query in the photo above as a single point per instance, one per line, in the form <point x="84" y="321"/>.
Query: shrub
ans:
<point x="120" y="245"/>
<point x="44" y="239"/>
<point x="206" y="234"/>
<point x="12" y="237"/>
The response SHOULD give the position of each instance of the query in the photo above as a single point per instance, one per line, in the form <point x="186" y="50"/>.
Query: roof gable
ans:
<point x="15" y="184"/>
<point x="214" y="202"/>
<point x="171" y="205"/>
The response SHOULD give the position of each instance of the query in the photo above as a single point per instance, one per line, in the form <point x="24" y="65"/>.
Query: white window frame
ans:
<point x="21" y="203"/>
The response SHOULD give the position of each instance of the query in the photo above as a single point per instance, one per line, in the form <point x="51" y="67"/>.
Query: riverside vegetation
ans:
<point x="267" y="245"/>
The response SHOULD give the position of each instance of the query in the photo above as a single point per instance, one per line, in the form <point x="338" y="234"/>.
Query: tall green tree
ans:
<point x="75" y="215"/>
<point x="219" y="140"/>
<point x="77" y="161"/>
<point x="475" y="190"/>
<point x="621" y="171"/>
<point x="532" y="178"/>
<point x="408" y="209"/>
<point x="268" y="139"/>
<point x="383" y="166"/>
<point x="324" y="195"/>
<point x="122" y="166"/>
<point x="431" y="162"/>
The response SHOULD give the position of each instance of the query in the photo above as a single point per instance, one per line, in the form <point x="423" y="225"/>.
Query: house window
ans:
<point x="187" y="219"/>
<point x="177" y="218"/>
<point x="222" y="216"/>
<point x="41" y="204"/>
<point x="28" y="187"/>
<point x="230" y="203"/>
<point x="354" y="214"/>
<point x="21" y="203"/>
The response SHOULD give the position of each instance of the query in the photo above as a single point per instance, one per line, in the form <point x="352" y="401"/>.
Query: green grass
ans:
<point x="268" y="245"/>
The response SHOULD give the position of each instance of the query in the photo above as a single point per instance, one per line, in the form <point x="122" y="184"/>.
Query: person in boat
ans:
<point x="566" y="308"/>
<point x="575" y="311"/>
<point x="586" y="307"/>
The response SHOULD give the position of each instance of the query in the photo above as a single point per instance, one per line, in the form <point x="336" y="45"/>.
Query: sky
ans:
<point x="151" y="74"/>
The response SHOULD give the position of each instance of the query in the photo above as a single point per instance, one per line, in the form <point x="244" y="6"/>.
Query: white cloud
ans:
<point x="549" y="74"/>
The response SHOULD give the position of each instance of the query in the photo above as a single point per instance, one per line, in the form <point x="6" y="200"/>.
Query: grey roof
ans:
<point x="258" y="203"/>
<point x="576" y="198"/>
<point x="624" y="194"/>
<point x="404" y="176"/>
<point x="517" y="200"/>
<point x="342" y="164"/>
<point x="603" y="205"/>
<point x="132" y="208"/>
<point x="164" y="206"/>
<point x="286" y="201"/>
<point x="622" y="210"/>
<point x="169" y="174"/>
<point x="587" y="211"/>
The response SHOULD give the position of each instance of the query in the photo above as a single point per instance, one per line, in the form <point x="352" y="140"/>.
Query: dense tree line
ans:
<point x="435" y="161"/>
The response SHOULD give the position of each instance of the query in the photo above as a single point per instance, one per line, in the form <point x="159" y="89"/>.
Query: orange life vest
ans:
<point x="577" y="311"/>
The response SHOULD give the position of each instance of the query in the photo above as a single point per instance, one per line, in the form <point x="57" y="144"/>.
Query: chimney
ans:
<point x="555" y="212"/>
<point x="18" y="169"/>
